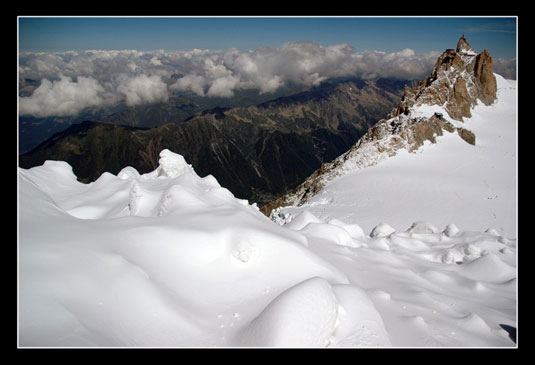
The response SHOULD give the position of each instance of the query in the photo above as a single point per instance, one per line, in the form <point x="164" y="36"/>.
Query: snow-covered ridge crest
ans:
<point x="171" y="164"/>
<point x="460" y="80"/>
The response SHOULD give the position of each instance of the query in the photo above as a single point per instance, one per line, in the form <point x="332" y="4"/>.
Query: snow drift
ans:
<point x="163" y="259"/>
<point x="170" y="259"/>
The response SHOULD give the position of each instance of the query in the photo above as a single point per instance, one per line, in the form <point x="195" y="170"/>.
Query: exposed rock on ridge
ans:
<point x="459" y="79"/>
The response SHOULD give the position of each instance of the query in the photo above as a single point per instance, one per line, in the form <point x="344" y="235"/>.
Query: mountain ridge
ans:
<point x="459" y="79"/>
<point x="258" y="152"/>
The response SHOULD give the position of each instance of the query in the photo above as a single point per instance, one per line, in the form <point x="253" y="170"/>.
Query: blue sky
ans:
<point x="422" y="34"/>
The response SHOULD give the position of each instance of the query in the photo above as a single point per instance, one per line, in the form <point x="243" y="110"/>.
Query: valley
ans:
<point x="259" y="152"/>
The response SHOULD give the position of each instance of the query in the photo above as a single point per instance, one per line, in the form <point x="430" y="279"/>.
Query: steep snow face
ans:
<point x="170" y="259"/>
<point x="450" y="181"/>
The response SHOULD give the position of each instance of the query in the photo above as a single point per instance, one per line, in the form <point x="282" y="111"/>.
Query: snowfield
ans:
<point x="170" y="259"/>
<point x="451" y="181"/>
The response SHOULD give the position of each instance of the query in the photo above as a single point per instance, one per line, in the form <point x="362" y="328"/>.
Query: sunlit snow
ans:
<point x="451" y="181"/>
<point x="393" y="255"/>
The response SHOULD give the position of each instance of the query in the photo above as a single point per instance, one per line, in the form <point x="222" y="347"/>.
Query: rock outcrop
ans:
<point x="484" y="78"/>
<point x="459" y="79"/>
<point x="436" y="105"/>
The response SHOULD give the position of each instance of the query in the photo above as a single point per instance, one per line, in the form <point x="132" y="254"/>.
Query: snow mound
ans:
<point x="149" y="260"/>
<point x="329" y="232"/>
<point x="303" y="316"/>
<point x="302" y="220"/>
<point x="382" y="230"/>
<point x="473" y="322"/>
<point x="488" y="268"/>
<point x="422" y="227"/>
<point x="354" y="230"/>
<point x="128" y="173"/>
<point x="171" y="164"/>
<point x="408" y="242"/>
<point x="451" y="230"/>
<point x="316" y="314"/>
<point x="359" y="322"/>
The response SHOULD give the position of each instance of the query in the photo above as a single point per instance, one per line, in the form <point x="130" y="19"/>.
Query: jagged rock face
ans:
<point x="485" y="78"/>
<point x="460" y="104"/>
<point x="463" y="46"/>
<point x="459" y="79"/>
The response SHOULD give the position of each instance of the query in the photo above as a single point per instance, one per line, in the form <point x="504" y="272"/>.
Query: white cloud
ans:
<point x="143" y="89"/>
<point x="62" y="97"/>
<point x="405" y="64"/>
<point x="137" y="77"/>
<point x="271" y="85"/>
<point x="155" y="61"/>
<point x="506" y="68"/>
<point x="192" y="82"/>
<point x="223" y="86"/>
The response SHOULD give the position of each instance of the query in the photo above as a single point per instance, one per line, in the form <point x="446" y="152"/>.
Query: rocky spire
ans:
<point x="464" y="47"/>
<point x="484" y="78"/>
<point x="460" y="77"/>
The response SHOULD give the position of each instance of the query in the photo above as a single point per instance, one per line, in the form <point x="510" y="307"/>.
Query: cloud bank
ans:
<point x="72" y="81"/>
<point x="63" y="97"/>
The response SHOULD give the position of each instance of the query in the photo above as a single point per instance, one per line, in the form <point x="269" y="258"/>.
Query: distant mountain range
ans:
<point x="258" y="152"/>
<point x="179" y="107"/>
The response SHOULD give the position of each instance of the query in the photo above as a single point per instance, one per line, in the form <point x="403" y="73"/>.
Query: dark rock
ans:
<point x="467" y="135"/>
<point x="460" y="104"/>
<point x="510" y="330"/>
<point x="463" y="45"/>
<point x="484" y="77"/>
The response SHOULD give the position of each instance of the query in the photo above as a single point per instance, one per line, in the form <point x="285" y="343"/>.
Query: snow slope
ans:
<point x="169" y="259"/>
<point x="447" y="182"/>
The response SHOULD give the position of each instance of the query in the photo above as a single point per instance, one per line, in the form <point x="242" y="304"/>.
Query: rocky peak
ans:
<point x="459" y="79"/>
<point x="464" y="47"/>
